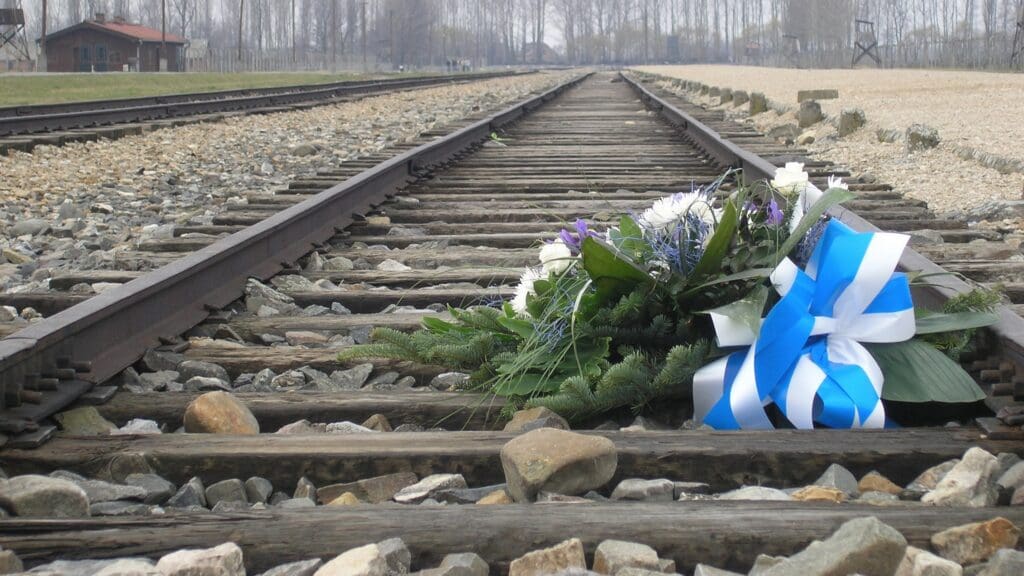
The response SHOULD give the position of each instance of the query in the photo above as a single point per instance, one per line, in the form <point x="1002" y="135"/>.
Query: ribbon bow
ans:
<point x="807" y="358"/>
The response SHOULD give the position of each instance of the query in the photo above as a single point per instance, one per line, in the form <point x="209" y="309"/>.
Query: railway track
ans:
<point x="23" y="127"/>
<point x="342" y="260"/>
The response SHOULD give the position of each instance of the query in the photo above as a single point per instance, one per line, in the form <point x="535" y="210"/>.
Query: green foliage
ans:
<point x="953" y="330"/>
<point x="915" y="371"/>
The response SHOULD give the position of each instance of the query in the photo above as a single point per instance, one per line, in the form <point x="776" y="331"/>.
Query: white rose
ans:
<point x="791" y="178"/>
<point x="555" y="257"/>
<point x="524" y="289"/>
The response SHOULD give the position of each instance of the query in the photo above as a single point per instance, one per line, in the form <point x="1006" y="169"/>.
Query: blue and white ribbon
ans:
<point x="807" y="357"/>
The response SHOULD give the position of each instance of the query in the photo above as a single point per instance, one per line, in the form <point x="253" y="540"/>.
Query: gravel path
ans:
<point x="972" y="111"/>
<point x="76" y="206"/>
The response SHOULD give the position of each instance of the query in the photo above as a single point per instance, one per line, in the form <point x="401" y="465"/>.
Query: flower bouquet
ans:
<point x="752" y="306"/>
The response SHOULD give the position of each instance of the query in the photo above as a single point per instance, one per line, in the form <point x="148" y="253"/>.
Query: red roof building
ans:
<point x="101" y="46"/>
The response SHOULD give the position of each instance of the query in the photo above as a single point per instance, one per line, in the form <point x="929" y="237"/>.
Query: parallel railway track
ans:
<point x="462" y="223"/>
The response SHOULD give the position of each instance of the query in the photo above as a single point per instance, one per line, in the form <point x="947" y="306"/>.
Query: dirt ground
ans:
<point x="974" y="112"/>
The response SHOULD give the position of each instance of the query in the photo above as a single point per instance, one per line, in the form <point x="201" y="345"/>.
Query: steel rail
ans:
<point x="48" y="117"/>
<point x="47" y="365"/>
<point x="1008" y="331"/>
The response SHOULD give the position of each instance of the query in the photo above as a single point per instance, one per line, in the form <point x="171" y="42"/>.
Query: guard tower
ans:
<point x="791" y="49"/>
<point x="12" y="31"/>
<point x="866" y="43"/>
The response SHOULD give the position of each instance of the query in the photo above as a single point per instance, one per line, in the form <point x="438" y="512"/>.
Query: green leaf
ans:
<point x="611" y="271"/>
<point x="711" y="261"/>
<point x="747" y="310"/>
<point x="934" y="323"/>
<point x="522" y="328"/>
<point x="528" y="384"/>
<point x="437" y="325"/>
<point x="632" y="238"/>
<point x="751" y="274"/>
<point x="830" y="198"/>
<point x="916" y="372"/>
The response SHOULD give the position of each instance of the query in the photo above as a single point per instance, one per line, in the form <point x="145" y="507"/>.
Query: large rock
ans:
<point x="565" y="556"/>
<point x="917" y="562"/>
<point x="930" y="478"/>
<point x="464" y="564"/>
<point x="971" y="482"/>
<point x="191" y="493"/>
<point x="553" y="460"/>
<point x="975" y="542"/>
<point x="219" y="413"/>
<point x="374" y="490"/>
<point x="836" y="476"/>
<point x="758" y="103"/>
<point x="33" y="495"/>
<point x="1005" y="562"/>
<point x="429" y="486"/>
<point x="756" y="493"/>
<point x="230" y="490"/>
<point x="9" y="562"/>
<point x="861" y="546"/>
<point x="223" y="560"/>
<point x="533" y="418"/>
<point x="921" y="137"/>
<point x="198" y="368"/>
<point x="809" y="114"/>
<point x="363" y="561"/>
<point x="258" y="489"/>
<point x="785" y="132"/>
<point x="614" y="555"/>
<point x="875" y="482"/>
<point x="396" y="555"/>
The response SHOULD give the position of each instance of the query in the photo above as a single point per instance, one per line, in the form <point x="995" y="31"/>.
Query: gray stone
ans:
<point x="862" y="546"/>
<point x="305" y="488"/>
<point x="1005" y="562"/>
<point x="119" y="508"/>
<point x="157" y="488"/>
<point x="888" y="135"/>
<point x="158" y="381"/>
<point x="1013" y="478"/>
<point x="877" y="498"/>
<point x="31" y="227"/>
<point x="755" y="493"/>
<point x="851" y="120"/>
<point x="84" y="421"/>
<point x="533" y="418"/>
<point x="835" y="476"/>
<point x="300" y="568"/>
<point x="758" y="103"/>
<point x="449" y="380"/>
<point x="303" y="150"/>
<point x="223" y="560"/>
<point x="100" y="491"/>
<point x="809" y="114"/>
<point x="290" y="380"/>
<point x="157" y="360"/>
<point x="383" y="381"/>
<point x="429" y="486"/>
<point x="567" y="555"/>
<point x="680" y="489"/>
<point x="971" y="482"/>
<point x="374" y="490"/>
<point x="921" y="137"/>
<point x="820" y="94"/>
<point x="396" y="555"/>
<point x="205" y="383"/>
<point x="785" y="132"/>
<point x="230" y="506"/>
<point x="192" y="368"/>
<point x="258" y="489"/>
<point x="338" y="263"/>
<point x="614" y="555"/>
<point x="230" y="490"/>
<point x="740" y="97"/>
<point x="118" y="567"/>
<point x="390" y="265"/>
<point x="466" y="495"/>
<point x="33" y="495"/>
<point x="660" y="490"/>
<point x="363" y="561"/>
<point x="302" y="427"/>
<point x="191" y="493"/>
<point x="464" y="564"/>
<point x="353" y="378"/>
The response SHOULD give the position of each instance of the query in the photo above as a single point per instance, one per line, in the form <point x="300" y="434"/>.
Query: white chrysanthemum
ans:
<point x="791" y="178"/>
<point x="555" y="257"/>
<point x="837" y="182"/>
<point x="525" y="288"/>
<point x="671" y="210"/>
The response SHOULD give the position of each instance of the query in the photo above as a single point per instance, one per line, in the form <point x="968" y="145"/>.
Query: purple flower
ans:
<point x="775" y="215"/>
<point x="574" y="242"/>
